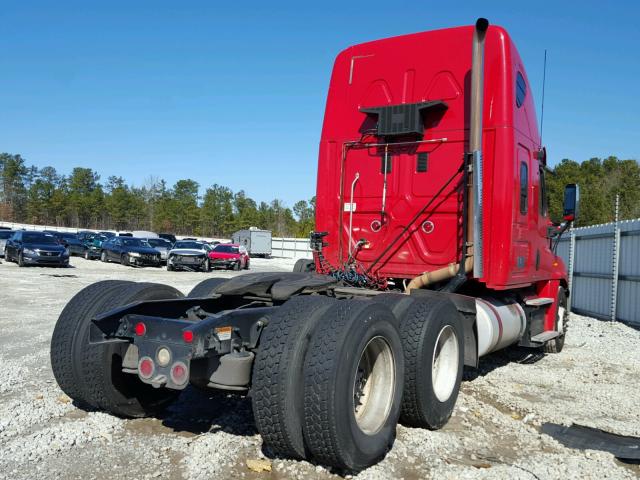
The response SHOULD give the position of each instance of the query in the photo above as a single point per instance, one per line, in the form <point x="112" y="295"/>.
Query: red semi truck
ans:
<point x="434" y="247"/>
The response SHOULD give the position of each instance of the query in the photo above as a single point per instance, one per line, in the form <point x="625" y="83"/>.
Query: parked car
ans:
<point x="35" y="248"/>
<point x="93" y="245"/>
<point x="161" y="245"/>
<point x="108" y="234"/>
<point x="70" y="241"/>
<point x="4" y="236"/>
<point x="229" y="256"/>
<point x="5" y="228"/>
<point x="189" y="255"/>
<point x="129" y="251"/>
<point x="168" y="236"/>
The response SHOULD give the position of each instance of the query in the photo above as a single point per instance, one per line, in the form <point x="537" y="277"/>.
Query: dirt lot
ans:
<point x="494" y="432"/>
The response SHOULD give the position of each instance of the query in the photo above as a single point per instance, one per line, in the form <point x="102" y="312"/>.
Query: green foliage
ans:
<point x="600" y="181"/>
<point x="42" y="196"/>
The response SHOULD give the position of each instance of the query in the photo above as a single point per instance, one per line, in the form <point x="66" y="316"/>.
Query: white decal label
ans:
<point x="350" y="207"/>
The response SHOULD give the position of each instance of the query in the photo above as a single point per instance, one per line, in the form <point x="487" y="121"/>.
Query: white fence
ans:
<point x="290" y="247"/>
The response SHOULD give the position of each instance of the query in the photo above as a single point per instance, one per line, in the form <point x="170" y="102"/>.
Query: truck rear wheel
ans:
<point x="278" y="382"/>
<point x="304" y="265"/>
<point x="206" y="288"/>
<point x="433" y="339"/>
<point x="82" y="306"/>
<point x="92" y="373"/>
<point x="106" y="386"/>
<point x="353" y="385"/>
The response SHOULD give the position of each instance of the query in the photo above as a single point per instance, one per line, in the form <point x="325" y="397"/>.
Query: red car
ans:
<point x="229" y="256"/>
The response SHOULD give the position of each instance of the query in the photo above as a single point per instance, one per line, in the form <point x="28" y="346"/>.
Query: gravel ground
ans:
<point x="493" y="434"/>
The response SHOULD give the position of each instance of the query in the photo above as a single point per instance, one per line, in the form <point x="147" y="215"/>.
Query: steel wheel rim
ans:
<point x="445" y="363"/>
<point x="374" y="386"/>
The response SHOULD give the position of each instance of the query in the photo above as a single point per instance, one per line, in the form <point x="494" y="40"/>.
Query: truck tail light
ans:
<point x="140" y="329"/>
<point x="146" y="367"/>
<point x="179" y="373"/>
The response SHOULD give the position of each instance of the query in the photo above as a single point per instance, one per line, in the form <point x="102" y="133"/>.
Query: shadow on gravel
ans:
<point x="197" y="412"/>
<point x="502" y="358"/>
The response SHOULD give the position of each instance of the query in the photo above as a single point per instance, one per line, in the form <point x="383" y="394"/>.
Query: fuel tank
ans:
<point x="499" y="323"/>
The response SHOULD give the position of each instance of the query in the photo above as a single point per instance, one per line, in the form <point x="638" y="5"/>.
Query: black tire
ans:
<point x="82" y="306"/>
<point x="236" y="266"/>
<point x="304" y="265"/>
<point x="91" y="374"/>
<point x="20" y="260"/>
<point x="206" y="266"/>
<point x="105" y="385"/>
<point x="424" y="405"/>
<point x="246" y="265"/>
<point x="333" y="364"/>
<point x="206" y="287"/>
<point x="86" y="255"/>
<point x="397" y="303"/>
<point x="103" y="257"/>
<point x="124" y="260"/>
<point x="557" y="344"/>
<point x="278" y="381"/>
<point x="169" y="268"/>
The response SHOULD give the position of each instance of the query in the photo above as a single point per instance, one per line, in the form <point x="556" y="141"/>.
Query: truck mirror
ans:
<point x="571" y="202"/>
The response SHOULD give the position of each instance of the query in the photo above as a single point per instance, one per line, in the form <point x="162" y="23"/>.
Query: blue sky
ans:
<point x="233" y="92"/>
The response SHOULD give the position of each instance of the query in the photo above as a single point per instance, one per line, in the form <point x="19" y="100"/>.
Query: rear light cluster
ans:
<point x="179" y="371"/>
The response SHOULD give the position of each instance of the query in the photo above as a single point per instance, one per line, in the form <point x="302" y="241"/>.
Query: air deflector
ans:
<point x="403" y="119"/>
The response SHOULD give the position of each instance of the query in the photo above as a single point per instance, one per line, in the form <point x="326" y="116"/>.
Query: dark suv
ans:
<point x="129" y="251"/>
<point x="35" y="248"/>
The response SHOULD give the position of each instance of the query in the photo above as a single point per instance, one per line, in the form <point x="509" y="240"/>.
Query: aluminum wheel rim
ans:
<point x="445" y="363"/>
<point x="560" y="322"/>
<point x="374" y="385"/>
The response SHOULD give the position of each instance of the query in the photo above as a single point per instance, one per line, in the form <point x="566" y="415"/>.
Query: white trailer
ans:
<point x="257" y="242"/>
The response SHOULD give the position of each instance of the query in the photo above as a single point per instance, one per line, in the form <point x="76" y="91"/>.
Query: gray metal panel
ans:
<point x="628" y="305"/>
<point x="629" y="255"/>
<point x="593" y="256"/>
<point x="591" y="294"/>
<point x="563" y="249"/>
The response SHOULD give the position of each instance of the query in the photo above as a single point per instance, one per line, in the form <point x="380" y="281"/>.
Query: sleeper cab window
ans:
<point x="524" y="190"/>
<point x="521" y="90"/>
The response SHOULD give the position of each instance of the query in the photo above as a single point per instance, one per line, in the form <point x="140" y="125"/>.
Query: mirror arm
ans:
<point x="565" y="226"/>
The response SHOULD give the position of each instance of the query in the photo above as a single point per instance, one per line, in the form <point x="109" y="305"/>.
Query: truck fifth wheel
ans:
<point x="434" y="247"/>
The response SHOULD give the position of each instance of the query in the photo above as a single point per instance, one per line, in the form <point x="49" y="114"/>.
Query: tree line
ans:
<point x="42" y="196"/>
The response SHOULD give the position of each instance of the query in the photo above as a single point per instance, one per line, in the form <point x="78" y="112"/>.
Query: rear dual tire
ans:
<point x="353" y="382"/>
<point x="91" y="374"/>
<point x="278" y="379"/>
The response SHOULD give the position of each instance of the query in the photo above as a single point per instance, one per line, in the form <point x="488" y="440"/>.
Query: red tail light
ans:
<point x="179" y="373"/>
<point x="140" y="329"/>
<point x="187" y="336"/>
<point x="146" y="367"/>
